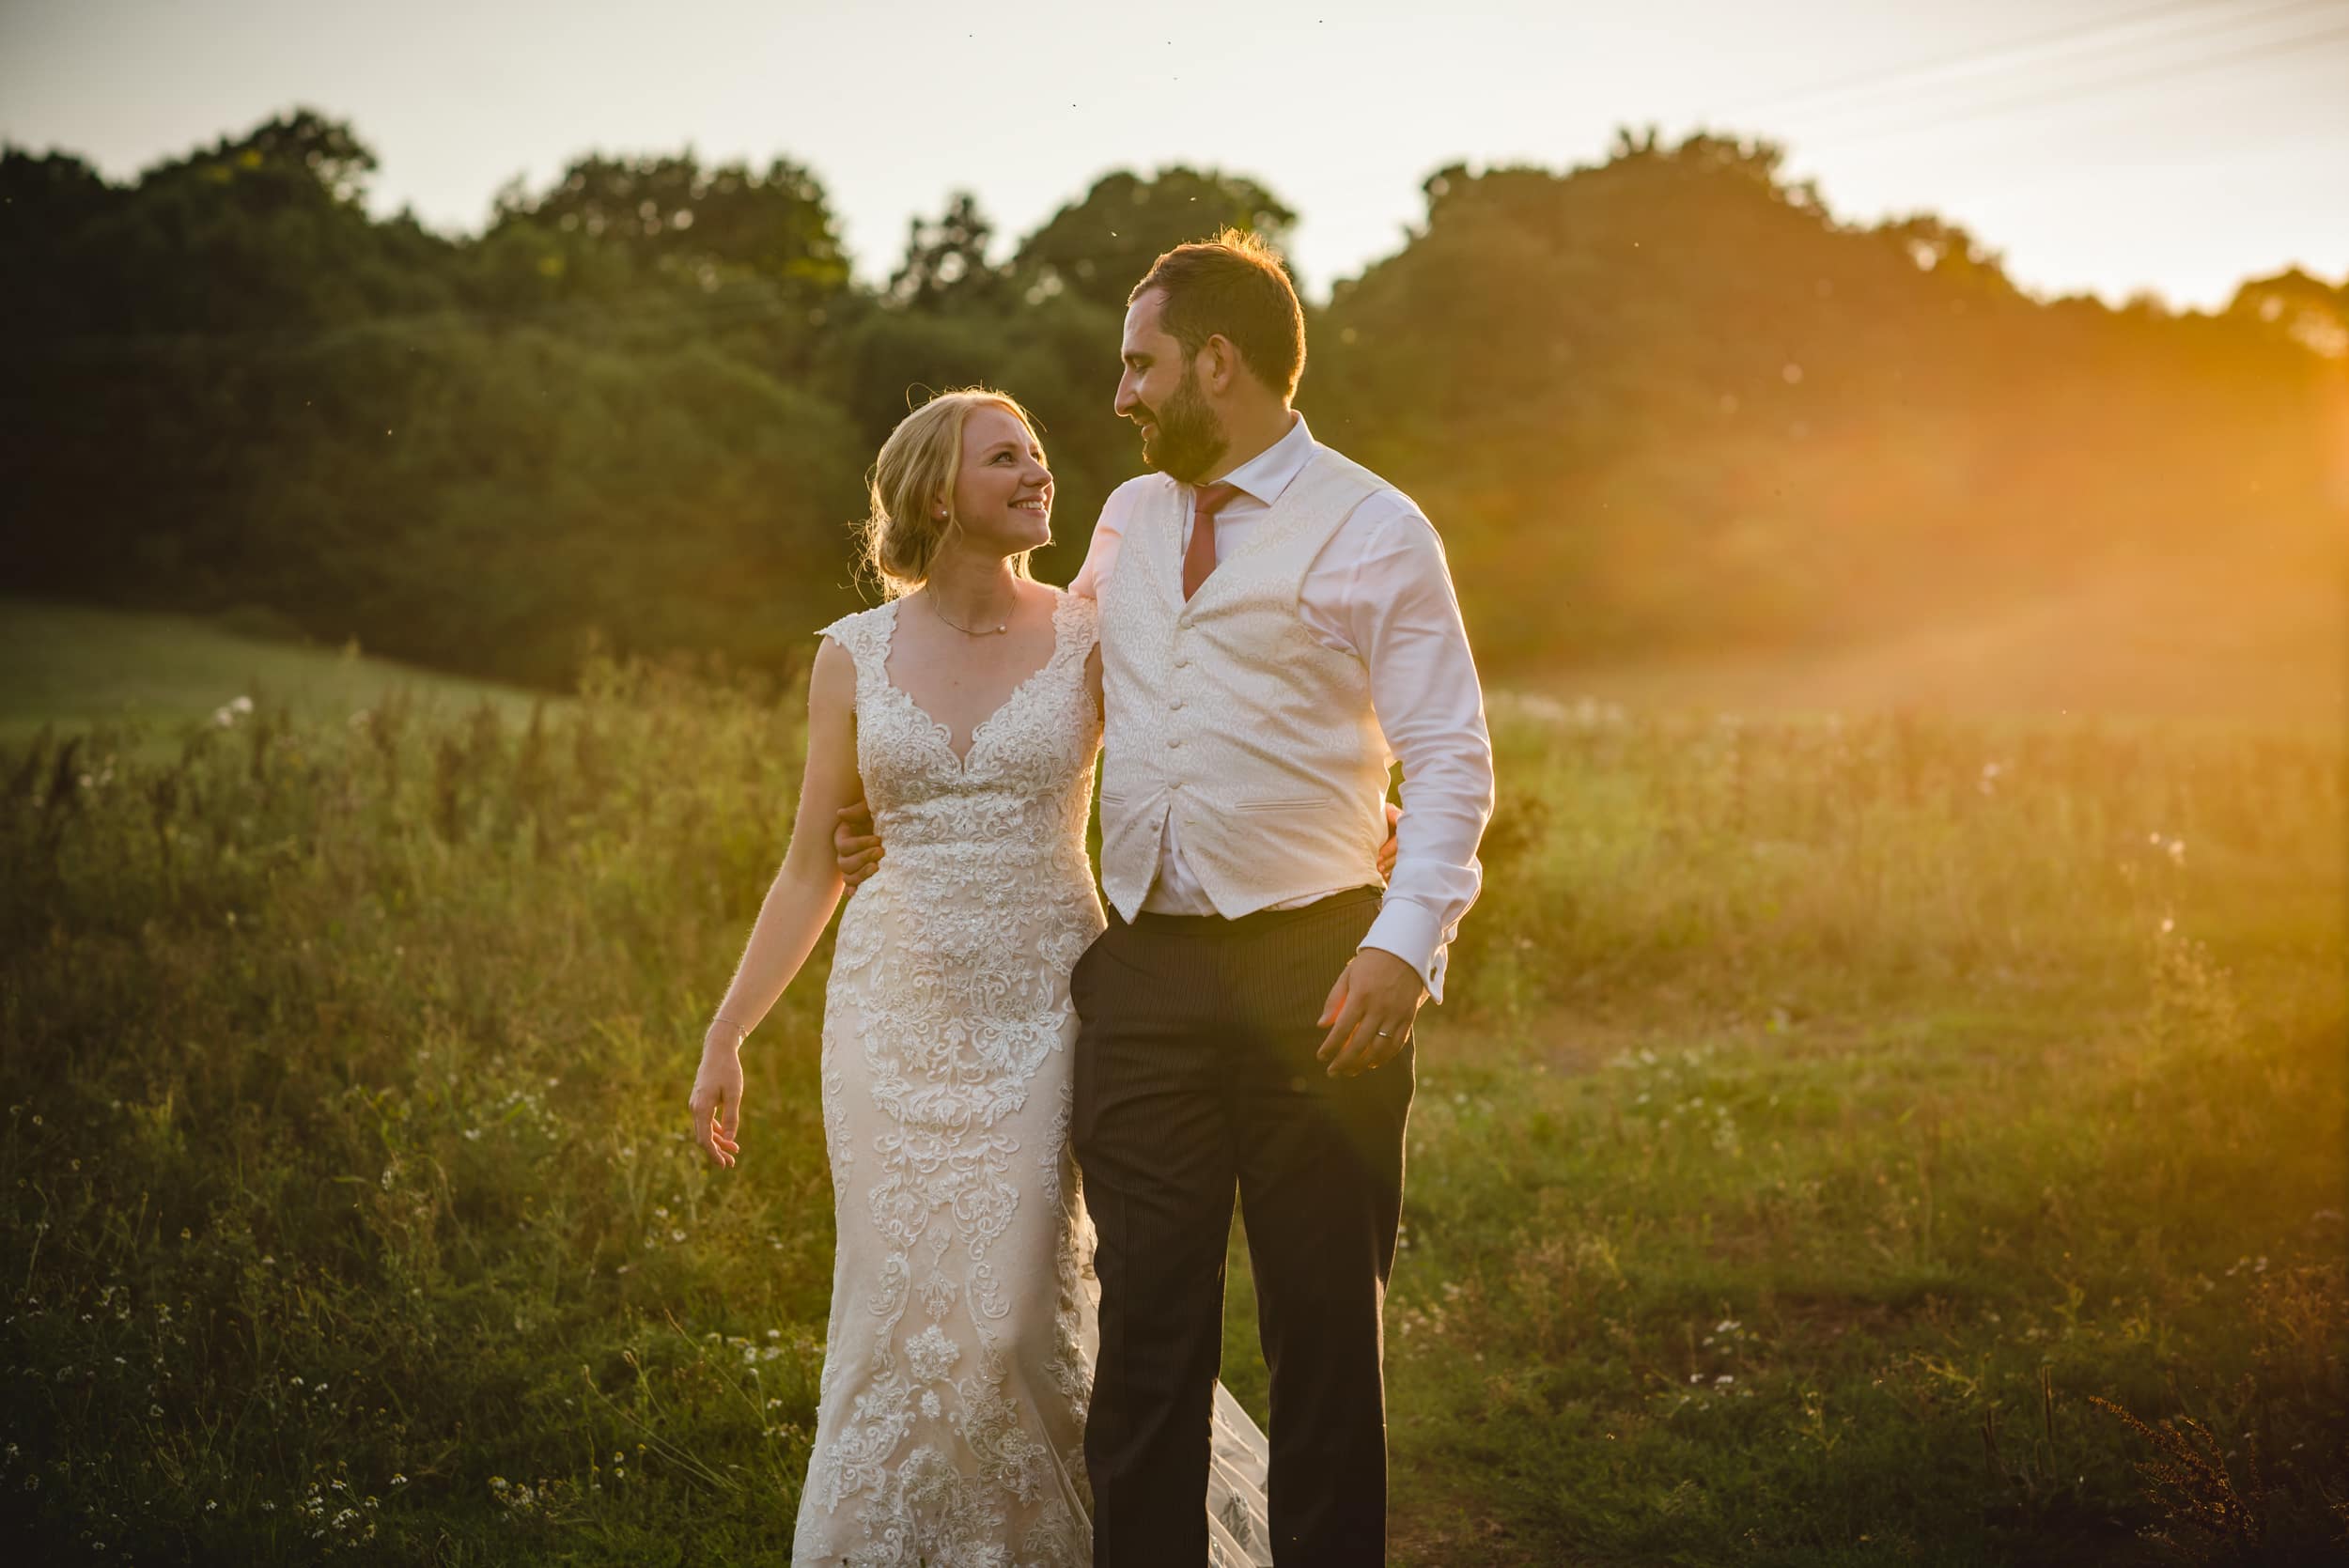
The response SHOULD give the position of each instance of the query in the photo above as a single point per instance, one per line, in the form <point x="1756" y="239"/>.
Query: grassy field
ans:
<point x="1829" y="1116"/>
<point x="149" y="677"/>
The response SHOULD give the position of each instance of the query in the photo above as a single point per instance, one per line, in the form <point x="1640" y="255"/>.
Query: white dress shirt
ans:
<point x="1379" y="591"/>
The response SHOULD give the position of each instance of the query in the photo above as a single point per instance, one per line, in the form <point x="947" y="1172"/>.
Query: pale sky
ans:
<point x="2110" y="145"/>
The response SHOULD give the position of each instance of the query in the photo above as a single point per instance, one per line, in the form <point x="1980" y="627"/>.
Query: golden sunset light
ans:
<point x="1217" y="788"/>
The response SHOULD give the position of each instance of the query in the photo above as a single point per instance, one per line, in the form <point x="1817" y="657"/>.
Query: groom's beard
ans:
<point x="1189" y="443"/>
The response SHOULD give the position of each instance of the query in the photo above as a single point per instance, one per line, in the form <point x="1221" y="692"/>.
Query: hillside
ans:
<point x="74" y="667"/>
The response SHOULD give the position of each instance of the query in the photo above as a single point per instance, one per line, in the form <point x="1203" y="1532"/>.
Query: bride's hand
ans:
<point x="717" y="1101"/>
<point x="1386" y="851"/>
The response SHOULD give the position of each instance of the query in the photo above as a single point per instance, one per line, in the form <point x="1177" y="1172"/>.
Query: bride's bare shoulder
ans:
<point x="832" y="678"/>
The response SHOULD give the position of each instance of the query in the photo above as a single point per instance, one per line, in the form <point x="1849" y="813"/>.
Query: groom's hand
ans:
<point x="853" y="844"/>
<point x="1369" y="1013"/>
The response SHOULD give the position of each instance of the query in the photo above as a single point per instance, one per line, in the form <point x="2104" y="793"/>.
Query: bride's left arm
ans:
<point x="798" y="906"/>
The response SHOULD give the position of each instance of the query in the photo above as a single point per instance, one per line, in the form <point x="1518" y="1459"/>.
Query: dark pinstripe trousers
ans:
<point x="1195" y="1079"/>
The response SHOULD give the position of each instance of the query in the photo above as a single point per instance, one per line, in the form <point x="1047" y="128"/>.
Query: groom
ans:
<point x="1277" y="626"/>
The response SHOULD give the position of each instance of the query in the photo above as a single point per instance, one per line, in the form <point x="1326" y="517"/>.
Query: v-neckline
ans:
<point x="978" y="730"/>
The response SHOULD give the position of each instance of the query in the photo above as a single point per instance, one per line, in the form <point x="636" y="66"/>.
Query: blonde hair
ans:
<point x="918" y="465"/>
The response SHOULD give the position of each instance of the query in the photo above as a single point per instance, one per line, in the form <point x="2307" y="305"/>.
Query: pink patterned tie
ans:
<point x="1199" y="560"/>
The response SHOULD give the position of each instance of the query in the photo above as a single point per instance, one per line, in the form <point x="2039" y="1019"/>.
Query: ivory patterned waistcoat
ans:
<point x="1228" y="714"/>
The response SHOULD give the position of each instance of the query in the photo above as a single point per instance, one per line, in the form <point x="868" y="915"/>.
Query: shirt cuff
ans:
<point x="1413" y="933"/>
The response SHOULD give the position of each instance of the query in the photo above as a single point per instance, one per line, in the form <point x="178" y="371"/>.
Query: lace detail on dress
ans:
<point x="957" y="1370"/>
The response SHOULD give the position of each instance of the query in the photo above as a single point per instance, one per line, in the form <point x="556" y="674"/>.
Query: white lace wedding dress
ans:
<point x="950" y="1430"/>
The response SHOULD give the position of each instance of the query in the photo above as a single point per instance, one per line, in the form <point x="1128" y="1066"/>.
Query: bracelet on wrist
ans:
<point x="739" y="1033"/>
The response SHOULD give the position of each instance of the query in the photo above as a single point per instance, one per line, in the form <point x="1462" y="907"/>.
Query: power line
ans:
<point x="1886" y="78"/>
<point x="2087" y="92"/>
<point x="2182" y="51"/>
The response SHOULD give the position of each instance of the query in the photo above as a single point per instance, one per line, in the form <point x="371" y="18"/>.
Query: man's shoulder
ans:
<point x="1139" y="488"/>
<point x="1332" y="464"/>
<point x="1381" y="498"/>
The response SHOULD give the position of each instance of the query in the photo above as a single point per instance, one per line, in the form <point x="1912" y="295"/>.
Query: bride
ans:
<point x="967" y="710"/>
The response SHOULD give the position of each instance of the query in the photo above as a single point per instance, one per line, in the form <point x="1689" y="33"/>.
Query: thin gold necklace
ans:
<point x="931" y="600"/>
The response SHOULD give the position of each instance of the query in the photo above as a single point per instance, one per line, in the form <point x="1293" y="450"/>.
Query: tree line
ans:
<point x="1666" y="402"/>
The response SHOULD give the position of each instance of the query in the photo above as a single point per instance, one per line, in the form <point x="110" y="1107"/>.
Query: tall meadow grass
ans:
<point x="1825" y="1112"/>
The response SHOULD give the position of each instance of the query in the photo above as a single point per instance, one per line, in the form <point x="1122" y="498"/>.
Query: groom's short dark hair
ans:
<point x="1237" y="285"/>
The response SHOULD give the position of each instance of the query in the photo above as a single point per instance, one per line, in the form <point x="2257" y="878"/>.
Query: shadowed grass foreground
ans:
<point x="1827" y="1114"/>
